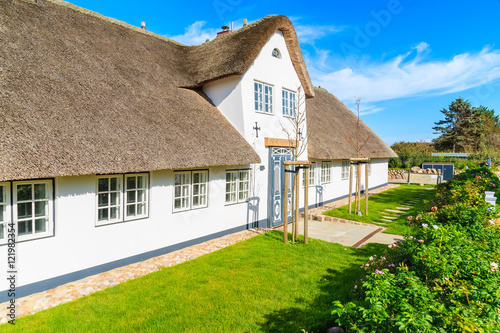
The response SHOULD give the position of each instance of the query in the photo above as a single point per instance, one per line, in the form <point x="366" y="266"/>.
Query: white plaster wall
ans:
<point x="78" y="244"/>
<point x="234" y="97"/>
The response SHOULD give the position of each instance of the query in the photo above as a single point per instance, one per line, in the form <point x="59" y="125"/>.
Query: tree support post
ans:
<point x="358" y="181"/>
<point x="366" y="189"/>
<point x="297" y="190"/>
<point x="306" y="204"/>
<point x="285" y="208"/>
<point x="350" y="187"/>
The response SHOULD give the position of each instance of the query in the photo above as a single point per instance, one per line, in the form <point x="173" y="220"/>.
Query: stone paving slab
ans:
<point x="390" y="217"/>
<point x="394" y="211"/>
<point x="403" y="208"/>
<point x="86" y="286"/>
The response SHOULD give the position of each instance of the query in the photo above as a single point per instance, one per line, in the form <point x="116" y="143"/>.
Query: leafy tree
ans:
<point x="461" y="130"/>
<point x="490" y="140"/>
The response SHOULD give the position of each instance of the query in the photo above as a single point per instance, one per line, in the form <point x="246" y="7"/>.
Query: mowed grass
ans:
<point x="259" y="285"/>
<point x="390" y="199"/>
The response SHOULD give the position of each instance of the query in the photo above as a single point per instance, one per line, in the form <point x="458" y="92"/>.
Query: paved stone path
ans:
<point x="86" y="286"/>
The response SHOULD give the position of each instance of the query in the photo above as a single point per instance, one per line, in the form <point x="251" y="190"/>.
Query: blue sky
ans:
<point x="406" y="59"/>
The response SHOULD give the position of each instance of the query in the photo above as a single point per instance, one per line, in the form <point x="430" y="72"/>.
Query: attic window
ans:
<point x="277" y="53"/>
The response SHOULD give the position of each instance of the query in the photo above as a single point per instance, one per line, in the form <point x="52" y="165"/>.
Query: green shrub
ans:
<point x="445" y="277"/>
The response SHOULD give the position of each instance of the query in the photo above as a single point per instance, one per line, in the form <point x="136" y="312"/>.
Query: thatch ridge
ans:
<point x="329" y="122"/>
<point x="231" y="54"/>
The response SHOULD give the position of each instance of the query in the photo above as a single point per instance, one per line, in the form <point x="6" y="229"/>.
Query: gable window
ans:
<point x="4" y="209"/>
<point x="136" y="189"/>
<point x="190" y="190"/>
<point x="276" y="53"/>
<point x="288" y="101"/>
<point x="237" y="186"/>
<point x="345" y="169"/>
<point x="326" y="173"/>
<point x="263" y="97"/>
<point x="32" y="201"/>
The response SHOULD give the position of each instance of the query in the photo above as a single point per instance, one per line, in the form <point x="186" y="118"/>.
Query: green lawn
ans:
<point x="259" y="285"/>
<point x="389" y="199"/>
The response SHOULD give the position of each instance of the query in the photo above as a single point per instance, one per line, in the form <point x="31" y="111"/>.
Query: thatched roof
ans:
<point x="331" y="123"/>
<point x="83" y="94"/>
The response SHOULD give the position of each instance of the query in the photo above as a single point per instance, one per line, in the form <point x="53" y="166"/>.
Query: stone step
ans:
<point x="399" y="212"/>
<point x="403" y="208"/>
<point x="390" y="217"/>
<point x="386" y="220"/>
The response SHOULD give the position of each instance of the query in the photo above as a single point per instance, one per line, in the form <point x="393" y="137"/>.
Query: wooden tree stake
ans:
<point x="306" y="208"/>
<point x="350" y="187"/>
<point x="297" y="190"/>
<point x="366" y="189"/>
<point x="285" y="208"/>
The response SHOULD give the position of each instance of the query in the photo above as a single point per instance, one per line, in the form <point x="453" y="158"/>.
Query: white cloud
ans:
<point x="401" y="77"/>
<point x="308" y="34"/>
<point x="195" y="34"/>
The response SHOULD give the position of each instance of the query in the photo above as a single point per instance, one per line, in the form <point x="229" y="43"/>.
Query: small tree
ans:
<point x="357" y="140"/>
<point x="298" y="136"/>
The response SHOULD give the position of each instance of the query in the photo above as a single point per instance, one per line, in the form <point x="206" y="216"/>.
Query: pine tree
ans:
<point x="461" y="130"/>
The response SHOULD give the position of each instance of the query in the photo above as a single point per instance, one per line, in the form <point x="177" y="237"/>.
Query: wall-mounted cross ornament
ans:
<point x="257" y="129"/>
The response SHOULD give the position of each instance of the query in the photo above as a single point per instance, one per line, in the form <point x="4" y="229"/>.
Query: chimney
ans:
<point x="143" y="25"/>
<point x="245" y="22"/>
<point x="225" y="31"/>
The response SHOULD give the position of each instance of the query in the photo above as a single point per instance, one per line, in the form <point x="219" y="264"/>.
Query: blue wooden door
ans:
<point x="276" y="185"/>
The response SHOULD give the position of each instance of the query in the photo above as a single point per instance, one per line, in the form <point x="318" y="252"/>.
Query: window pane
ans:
<point x="41" y="208"/>
<point x="2" y="231"/>
<point x="24" y="192"/>
<point x="103" y="199"/>
<point x="177" y="203"/>
<point x="196" y="177"/>
<point x="141" y="182"/>
<point x="177" y="179"/>
<point x="115" y="184"/>
<point x="130" y="183"/>
<point x="196" y="201"/>
<point x="130" y="210"/>
<point x="115" y="199"/>
<point x="114" y="213"/>
<point x="196" y="189"/>
<point x="2" y="193"/>
<point x="41" y="191"/>
<point x="141" y="195"/>
<point x="177" y="192"/>
<point x="24" y="227"/>
<point x="24" y="210"/>
<point x="103" y="214"/>
<point x="2" y="213"/>
<point x="130" y="196"/>
<point x="40" y="225"/>
<point x="103" y="184"/>
<point x="141" y="209"/>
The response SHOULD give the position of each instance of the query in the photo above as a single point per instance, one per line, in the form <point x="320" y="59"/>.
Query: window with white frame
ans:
<point x="312" y="179"/>
<point x="136" y="196"/>
<point x="200" y="183"/>
<point x="237" y="186"/>
<point x="190" y="190"/>
<point x="122" y="197"/>
<point x="109" y="199"/>
<point x="288" y="101"/>
<point x="4" y="209"/>
<point x="263" y="97"/>
<point x="326" y="172"/>
<point x="32" y="201"/>
<point x="276" y="53"/>
<point x="345" y="169"/>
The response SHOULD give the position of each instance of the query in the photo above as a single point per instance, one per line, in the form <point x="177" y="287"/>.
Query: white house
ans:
<point x="118" y="145"/>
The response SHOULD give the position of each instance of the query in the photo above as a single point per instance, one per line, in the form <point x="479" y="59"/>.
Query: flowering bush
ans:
<point x="444" y="278"/>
